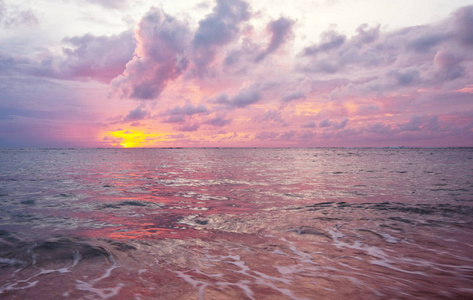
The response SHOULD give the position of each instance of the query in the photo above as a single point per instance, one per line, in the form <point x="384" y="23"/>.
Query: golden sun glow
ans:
<point x="129" y="139"/>
<point x="136" y="138"/>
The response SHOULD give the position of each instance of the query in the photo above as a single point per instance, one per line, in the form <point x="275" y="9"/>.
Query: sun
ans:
<point x="129" y="139"/>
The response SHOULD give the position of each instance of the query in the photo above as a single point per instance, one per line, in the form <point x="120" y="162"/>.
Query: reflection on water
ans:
<point x="236" y="223"/>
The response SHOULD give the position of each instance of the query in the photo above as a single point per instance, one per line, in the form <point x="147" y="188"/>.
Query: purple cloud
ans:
<point x="265" y="135"/>
<point x="159" y="57"/>
<point x="448" y="65"/>
<point x="334" y="124"/>
<point x="217" y="29"/>
<point x="244" y="98"/>
<point x="331" y="40"/>
<point x="281" y="31"/>
<point x="412" y="125"/>
<point x="175" y="119"/>
<point x="137" y="114"/>
<point x="309" y="125"/>
<point x="366" y="110"/>
<point x="187" y="128"/>
<point x="404" y="77"/>
<point x="218" y="121"/>
<point x="98" y="57"/>
<point x="186" y="110"/>
<point x="269" y="116"/>
<point x="462" y="25"/>
<point x="379" y="128"/>
<point x="183" y="114"/>
<point x="294" y="96"/>
<point x="366" y="35"/>
<point x="417" y="123"/>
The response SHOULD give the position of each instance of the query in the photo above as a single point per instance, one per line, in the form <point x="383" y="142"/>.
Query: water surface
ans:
<point x="236" y="223"/>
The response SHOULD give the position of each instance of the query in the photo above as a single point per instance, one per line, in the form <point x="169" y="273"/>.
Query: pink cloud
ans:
<point x="226" y="80"/>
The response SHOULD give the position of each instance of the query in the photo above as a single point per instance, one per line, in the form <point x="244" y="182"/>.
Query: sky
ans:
<point x="235" y="73"/>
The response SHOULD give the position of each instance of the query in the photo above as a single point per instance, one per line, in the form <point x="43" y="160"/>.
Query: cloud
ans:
<point x="371" y="49"/>
<point x="11" y="17"/>
<point x="426" y="41"/>
<point x="183" y="114"/>
<point x="3" y="10"/>
<point x="187" y="128"/>
<point x="412" y="125"/>
<point x="241" y="56"/>
<point x="418" y="123"/>
<point x="462" y="24"/>
<point x="293" y="96"/>
<point x="366" y="110"/>
<point x="330" y="40"/>
<point x="379" y="128"/>
<point x="288" y="135"/>
<point x="219" y="28"/>
<point x="218" y="121"/>
<point x="98" y="57"/>
<point x="335" y="53"/>
<point x="244" y="98"/>
<point x="310" y="124"/>
<point x="285" y="137"/>
<point x="404" y="61"/>
<point x="448" y="66"/>
<point x="366" y="35"/>
<point x="404" y="77"/>
<point x="281" y="31"/>
<point x="159" y="56"/>
<point x="175" y="119"/>
<point x="327" y="123"/>
<point x="265" y="135"/>
<point x="226" y="74"/>
<point x="270" y="115"/>
<point x="186" y="110"/>
<point x="137" y="114"/>
<point x="110" y="3"/>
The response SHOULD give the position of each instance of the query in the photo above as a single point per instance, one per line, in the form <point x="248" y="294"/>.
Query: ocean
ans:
<point x="321" y="223"/>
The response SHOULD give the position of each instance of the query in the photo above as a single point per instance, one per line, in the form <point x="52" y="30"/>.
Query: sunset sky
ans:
<point x="233" y="73"/>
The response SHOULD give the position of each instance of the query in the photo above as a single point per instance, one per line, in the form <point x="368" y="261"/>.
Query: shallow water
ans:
<point x="236" y="223"/>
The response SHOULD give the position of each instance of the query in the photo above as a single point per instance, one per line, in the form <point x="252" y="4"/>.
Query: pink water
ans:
<point x="236" y="223"/>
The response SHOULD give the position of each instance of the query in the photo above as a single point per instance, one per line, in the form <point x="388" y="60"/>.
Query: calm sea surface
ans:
<point x="236" y="223"/>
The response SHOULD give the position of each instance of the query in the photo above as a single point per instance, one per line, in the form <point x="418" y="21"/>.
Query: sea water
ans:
<point x="324" y="223"/>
